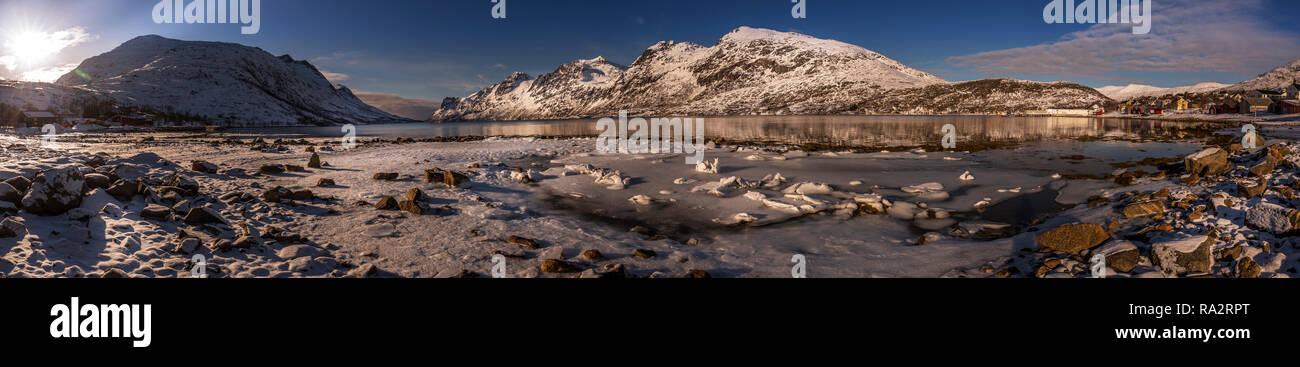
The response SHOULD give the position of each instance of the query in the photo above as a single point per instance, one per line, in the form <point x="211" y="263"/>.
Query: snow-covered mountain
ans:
<point x="226" y="83"/>
<point x="1275" y="79"/>
<point x="749" y="71"/>
<point x="987" y="96"/>
<point x="1121" y="93"/>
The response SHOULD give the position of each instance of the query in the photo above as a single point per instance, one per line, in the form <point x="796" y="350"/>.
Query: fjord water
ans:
<point x="837" y="132"/>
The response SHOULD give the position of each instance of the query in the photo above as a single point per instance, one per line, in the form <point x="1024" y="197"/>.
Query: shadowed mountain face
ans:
<point x="225" y="83"/>
<point x="752" y="72"/>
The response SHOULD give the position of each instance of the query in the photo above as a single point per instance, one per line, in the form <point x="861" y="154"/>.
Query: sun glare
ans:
<point x="31" y="48"/>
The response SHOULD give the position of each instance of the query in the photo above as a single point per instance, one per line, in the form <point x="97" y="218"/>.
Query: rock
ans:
<point x="1250" y="188"/>
<point x="271" y="169"/>
<point x="386" y="176"/>
<point x="410" y="206"/>
<point x="296" y="251"/>
<point x="525" y="242"/>
<point x="1125" y="179"/>
<point x="113" y="273"/>
<point x="364" y="271"/>
<point x="697" y="274"/>
<point x="55" y="192"/>
<point x="276" y="194"/>
<point x="1273" y="218"/>
<point x="1209" y="162"/>
<point x="455" y="180"/>
<point x="97" y="181"/>
<point x="8" y="193"/>
<point x="613" y="271"/>
<point x="643" y="253"/>
<point x="1264" y="167"/>
<point x="592" y="255"/>
<point x="1073" y="237"/>
<point x="432" y="176"/>
<point x="303" y="195"/>
<point x="203" y="167"/>
<point x="1147" y="209"/>
<point x="202" y="216"/>
<point x="386" y="203"/>
<point x="9" y="227"/>
<point x="1188" y="255"/>
<point x="325" y="182"/>
<point x="188" y="245"/>
<point x="558" y="266"/>
<point x="314" y="161"/>
<point x="124" y="190"/>
<point x="1123" y="256"/>
<point x="245" y="242"/>
<point x="19" y="183"/>
<point x="155" y="211"/>
<point x="414" y="194"/>
<point x="1247" y="268"/>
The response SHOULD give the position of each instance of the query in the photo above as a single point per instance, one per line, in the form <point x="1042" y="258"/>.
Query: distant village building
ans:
<point x="1255" y="104"/>
<point x="38" y="118"/>
<point x="1293" y="91"/>
<point x="1289" y="106"/>
<point x="1183" y="104"/>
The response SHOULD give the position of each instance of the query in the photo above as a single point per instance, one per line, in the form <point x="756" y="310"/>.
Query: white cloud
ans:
<point x="9" y="62"/>
<point x="1186" y="36"/>
<point x="335" y="77"/>
<point x="47" y="74"/>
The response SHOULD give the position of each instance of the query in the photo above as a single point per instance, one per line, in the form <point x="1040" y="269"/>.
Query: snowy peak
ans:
<point x="1276" y="79"/>
<point x="749" y="71"/>
<point x="222" y="83"/>
<point x="1121" y="93"/>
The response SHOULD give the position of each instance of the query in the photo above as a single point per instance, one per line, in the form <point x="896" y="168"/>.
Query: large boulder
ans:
<point x="19" y="182"/>
<point x="1209" y="162"/>
<point x="1273" y="218"/>
<point x="1073" y="237"/>
<point x="10" y="227"/>
<point x="202" y="216"/>
<point x="55" y="192"/>
<point x="10" y="194"/>
<point x="1187" y="255"/>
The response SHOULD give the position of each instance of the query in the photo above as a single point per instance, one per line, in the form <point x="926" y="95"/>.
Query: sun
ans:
<point x="31" y="48"/>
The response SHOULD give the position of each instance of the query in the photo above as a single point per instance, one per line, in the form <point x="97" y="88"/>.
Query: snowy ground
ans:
<point x="848" y="214"/>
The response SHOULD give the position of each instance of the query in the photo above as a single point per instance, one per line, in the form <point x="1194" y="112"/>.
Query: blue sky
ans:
<point x="433" y="49"/>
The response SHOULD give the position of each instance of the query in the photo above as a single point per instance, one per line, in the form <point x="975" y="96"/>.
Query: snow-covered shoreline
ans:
<point x="553" y="208"/>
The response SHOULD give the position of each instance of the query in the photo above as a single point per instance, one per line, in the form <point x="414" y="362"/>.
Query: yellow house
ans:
<point x="1182" y="104"/>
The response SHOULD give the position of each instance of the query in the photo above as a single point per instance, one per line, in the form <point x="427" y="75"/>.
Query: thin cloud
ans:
<point x="1186" y="36"/>
<point x="335" y="77"/>
<point x="412" y="108"/>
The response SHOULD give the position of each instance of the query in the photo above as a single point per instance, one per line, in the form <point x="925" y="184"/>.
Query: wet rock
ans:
<point x="314" y="161"/>
<point x="643" y="253"/>
<point x="1209" y="162"/>
<point x="19" y="183"/>
<point x="1188" y="255"/>
<point x="593" y="255"/>
<point x="203" y="167"/>
<point x="1073" y="237"/>
<point x="10" y="194"/>
<point x="1123" y="256"/>
<point x="386" y="203"/>
<point x="155" y="211"/>
<point x="558" y="266"/>
<point x="1147" y="209"/>
<point x="325" y="182"/>
<point x="202" y="216"/>
<point x="1273" y="218"/>
<point x="386" y="176"/>
<point x="55" y="192"/>
<point x="97" y="181"/>
<point x="411" y="206"/>
<point x="525" y="242"/>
